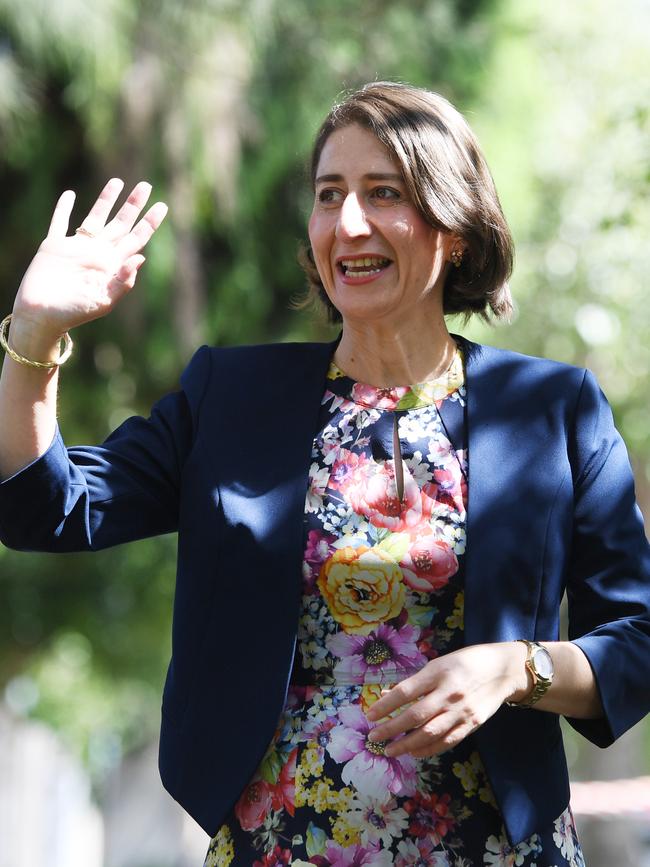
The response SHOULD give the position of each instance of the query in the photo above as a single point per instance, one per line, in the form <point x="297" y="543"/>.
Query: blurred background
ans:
<point x="216" y="102"/>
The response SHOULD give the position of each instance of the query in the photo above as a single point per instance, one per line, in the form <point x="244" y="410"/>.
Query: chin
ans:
<point x="366" y="308"/>
<point x="366" y="314"/>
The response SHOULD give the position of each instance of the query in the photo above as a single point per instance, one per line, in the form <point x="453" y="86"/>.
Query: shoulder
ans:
<point x="523" y="387"/>
<point x="495" y="359"/>
<point x="261" y="360"/>
<point x="492" y="368"/>
<point x="270" y="353"/>
<point x="271" y="373"/>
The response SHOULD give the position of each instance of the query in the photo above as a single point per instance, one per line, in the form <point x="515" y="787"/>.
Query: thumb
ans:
<point x="134" y="263"/>
<point x="124" y="279"/>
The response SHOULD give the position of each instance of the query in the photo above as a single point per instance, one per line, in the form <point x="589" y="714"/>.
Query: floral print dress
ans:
<point x="382" y="595"/>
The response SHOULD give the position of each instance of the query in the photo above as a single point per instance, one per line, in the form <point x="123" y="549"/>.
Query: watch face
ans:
<point x="543" y="662"/>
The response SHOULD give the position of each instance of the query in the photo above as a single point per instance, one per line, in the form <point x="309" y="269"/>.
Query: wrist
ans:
<point x="32" y="340"/>
<point x="520" y="678"/>
<point x="539" y="663"/>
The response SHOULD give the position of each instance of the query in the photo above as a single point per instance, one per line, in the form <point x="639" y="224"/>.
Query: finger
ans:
<point x="99" y="212"/>
<point x="125" y="278"/>
<point x="404" y="692"/>
<point x="123" y="221"/>
<point x="140" y="235"/>
<point x="448" y="741"/>
<point x="415" y="715"/>
<point x="61" y="216"/>
<point x="135" y="262"/>
<point x="430" y="736"/>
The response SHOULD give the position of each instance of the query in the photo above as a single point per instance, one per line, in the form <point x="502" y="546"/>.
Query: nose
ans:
<point x="352" y="221"/>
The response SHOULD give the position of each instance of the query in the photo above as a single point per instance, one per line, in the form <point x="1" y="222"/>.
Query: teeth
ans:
<point x="366" y="262"/>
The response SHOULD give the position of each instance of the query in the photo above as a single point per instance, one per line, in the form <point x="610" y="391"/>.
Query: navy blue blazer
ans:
<point x="551" y="509"/>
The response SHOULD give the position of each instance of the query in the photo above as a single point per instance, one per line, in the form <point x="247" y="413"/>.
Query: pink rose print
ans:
<point x="317" y="551"/>
<point x="385" y="650"/>
<point x="277" y="858"/>
<point x="356" y="856"/>
<point x="283" y="795"/>
<point x="318" y="548"/>
<point x="253" y="805"/>
<point x="428" y="564"/>
<point x="378" y="398"/>
<point x="448" y="485"/>
<point x="430" y="816"/>
<point x="427" y="642"/>
<point x="367" y="768"/>
<point x="376" y="499"/>
<point x="348" y="468"/>
<point x="297" y="696"/>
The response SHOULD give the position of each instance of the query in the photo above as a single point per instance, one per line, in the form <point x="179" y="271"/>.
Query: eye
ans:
<point x="386" y="194"/>
<point x="328" y="196"/>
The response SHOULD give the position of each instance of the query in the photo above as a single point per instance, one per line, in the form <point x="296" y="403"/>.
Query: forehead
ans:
<point x="355" y="150"/>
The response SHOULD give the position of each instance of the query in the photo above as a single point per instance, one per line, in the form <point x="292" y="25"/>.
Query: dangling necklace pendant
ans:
<point x="398" y="463"/>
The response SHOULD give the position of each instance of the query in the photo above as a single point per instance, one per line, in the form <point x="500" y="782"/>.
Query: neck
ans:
<point x="401" y="354"/>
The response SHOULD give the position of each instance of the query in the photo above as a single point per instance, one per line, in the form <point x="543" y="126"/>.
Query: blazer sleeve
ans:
<point x="608" y="586"/>
<point x="91" y="497"/>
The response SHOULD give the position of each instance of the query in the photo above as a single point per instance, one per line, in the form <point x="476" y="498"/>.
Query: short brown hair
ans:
<point x="448" y="181"/>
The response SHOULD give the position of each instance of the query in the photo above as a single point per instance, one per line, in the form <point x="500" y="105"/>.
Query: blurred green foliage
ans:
<point x="573" y="169"/>
<point x="216" y="103"/>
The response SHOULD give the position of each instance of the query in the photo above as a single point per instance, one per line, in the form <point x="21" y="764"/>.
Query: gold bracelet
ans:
<point x="20" y="359"/>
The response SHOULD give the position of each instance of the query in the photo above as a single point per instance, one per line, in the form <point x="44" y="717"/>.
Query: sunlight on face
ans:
<point x="376" y="255"/>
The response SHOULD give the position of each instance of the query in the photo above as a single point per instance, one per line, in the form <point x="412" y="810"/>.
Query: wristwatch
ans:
<point x="540" y="664"/>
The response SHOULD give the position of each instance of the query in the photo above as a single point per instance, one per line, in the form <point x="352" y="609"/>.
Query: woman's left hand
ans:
<point x="450" y="698"/>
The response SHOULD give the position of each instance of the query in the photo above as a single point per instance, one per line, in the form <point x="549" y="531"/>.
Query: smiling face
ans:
<point x="377" y="257"/>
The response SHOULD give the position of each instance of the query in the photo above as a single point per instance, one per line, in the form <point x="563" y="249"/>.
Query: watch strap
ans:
<point x="540" y="683"/>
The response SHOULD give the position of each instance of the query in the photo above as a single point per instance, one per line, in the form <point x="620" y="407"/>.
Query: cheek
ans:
<point x="317" y="226"/>
<point x="311" y="225"/>
<point x="404" y="235"/>
<point x="315" y="231"/>
<point x="318" y="242"/>
<point x="429" y="243"/>
<point x="406" y="243"/>
<point x="320" y="239"/>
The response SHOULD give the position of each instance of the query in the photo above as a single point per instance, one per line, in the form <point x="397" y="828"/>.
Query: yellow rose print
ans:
<point x="362" y="587"/>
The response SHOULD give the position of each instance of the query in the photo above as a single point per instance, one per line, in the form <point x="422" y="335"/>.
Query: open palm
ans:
<point x="74" y="279"/>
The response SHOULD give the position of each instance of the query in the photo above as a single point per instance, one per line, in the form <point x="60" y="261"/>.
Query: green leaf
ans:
<point x="316" y="840"/>
<point x="421" y="615"/>
<point x="377" y="534"/>
<point x="409" y="401"/>
<point x="396" y="545"/>
<point x="271" y="767"/>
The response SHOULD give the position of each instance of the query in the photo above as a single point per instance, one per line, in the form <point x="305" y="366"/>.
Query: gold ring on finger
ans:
<point x="83" y="231"/>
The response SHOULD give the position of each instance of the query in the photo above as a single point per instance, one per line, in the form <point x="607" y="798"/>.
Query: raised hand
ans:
<point x="76" y="278"/>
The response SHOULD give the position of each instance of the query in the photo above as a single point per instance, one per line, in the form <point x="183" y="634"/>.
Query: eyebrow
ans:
<point x="369" y="176"/>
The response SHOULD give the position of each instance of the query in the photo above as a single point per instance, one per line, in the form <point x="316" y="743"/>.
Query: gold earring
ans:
<point x="456" y="257"/>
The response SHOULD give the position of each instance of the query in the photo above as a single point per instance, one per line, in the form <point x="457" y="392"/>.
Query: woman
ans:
<point x="437" y="498"/>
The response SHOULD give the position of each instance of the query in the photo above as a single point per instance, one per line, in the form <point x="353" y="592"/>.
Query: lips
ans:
<point x="362" y="266"/>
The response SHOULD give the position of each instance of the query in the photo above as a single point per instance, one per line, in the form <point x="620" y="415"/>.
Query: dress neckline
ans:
<point x="400" y="397"/>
